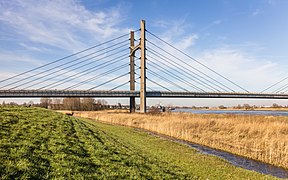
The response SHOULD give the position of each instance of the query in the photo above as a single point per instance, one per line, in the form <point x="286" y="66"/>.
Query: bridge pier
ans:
<point x="132" y="72"/>
<point x="143" y="67"/>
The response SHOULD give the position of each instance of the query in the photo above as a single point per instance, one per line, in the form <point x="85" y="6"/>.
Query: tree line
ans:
<point x="74" y="104"/>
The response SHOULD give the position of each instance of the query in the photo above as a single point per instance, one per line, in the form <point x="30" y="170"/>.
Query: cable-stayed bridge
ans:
<point x="137" y="64"/>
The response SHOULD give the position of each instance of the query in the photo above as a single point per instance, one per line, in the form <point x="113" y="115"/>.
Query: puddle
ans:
<point x="236" y="160"/>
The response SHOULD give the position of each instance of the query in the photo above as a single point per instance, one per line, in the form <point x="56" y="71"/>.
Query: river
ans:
<point x="241" y="112"/>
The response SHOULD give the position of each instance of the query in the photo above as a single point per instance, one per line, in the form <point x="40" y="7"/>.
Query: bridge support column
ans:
<point x="132" y="72"/>
<point x="143" y="67"/>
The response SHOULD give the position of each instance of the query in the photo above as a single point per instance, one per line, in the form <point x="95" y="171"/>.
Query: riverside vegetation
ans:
<point x="41" y="144"/>
<point x="263" y="138"/>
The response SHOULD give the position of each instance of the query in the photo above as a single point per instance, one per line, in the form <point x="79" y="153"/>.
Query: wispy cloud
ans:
<point x="13" y="63"/>
<point x="62" y="24"/>
<point x="256" y="12"/>
<point x="216" y="22"/>
<point x="37" y="32"/>
<point x="177" y="33"/>
<point x="245" y="69"/>
<point x="68" y="26"/>
<point x="271" y="2"/>
<point x="6" y="57"/>
<point x="33" y="48"/>
<point x="237" y="62"/>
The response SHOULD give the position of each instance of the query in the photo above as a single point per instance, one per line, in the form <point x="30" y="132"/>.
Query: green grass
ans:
<point x="41" y="144"/>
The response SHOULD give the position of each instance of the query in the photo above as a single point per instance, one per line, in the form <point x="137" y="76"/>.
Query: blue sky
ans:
<point x="245" y="41"/>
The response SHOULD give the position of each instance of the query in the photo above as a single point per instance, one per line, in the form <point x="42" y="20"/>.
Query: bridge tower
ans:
<point x="133" y="48"/>
<point x="132" y="72"/>
<point x="143" y="67"/>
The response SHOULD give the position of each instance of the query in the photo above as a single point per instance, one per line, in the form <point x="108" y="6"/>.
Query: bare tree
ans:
<point x="45" y="102"/>
<point x="87" y="104"/>
<point x="71" y="103"/>
<point x="57" y="103"/>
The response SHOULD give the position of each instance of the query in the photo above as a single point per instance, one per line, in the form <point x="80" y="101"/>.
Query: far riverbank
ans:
<point x="234" y="111"/>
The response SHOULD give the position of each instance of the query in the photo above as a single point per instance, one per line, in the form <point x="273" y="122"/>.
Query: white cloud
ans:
<point x="5" y="75"/>
<point x="211" y="25"/>
<point x="68" y="25"/>
<point x="175" y="32"/>
<point x="161" y="23"/>
<point x="216" y="22"/>
<point x="52" y="29"/>
<point x="239" y="62"/>
<point x="186" y="42"/>
<point x="271" y="2"/>
<point x="6" y="57"/>
<point x="63" y="24"/>
<point x="256" y="12"/>
<point x="32" y="48"/>
<point x="246" y="70"/>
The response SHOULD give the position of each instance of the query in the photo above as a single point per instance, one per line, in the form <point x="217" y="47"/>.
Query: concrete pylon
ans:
<point x="132" y="72"/>
<point x="143" y="67"/>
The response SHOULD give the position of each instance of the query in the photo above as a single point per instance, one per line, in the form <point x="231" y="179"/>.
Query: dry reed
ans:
<point x="263" y="138"/>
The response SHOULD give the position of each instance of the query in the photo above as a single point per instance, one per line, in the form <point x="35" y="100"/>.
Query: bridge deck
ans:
<point x="154" y="94"/>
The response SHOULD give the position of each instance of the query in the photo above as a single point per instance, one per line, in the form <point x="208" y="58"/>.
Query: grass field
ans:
<point x="263" y="138"/>
<point x="41" y="144"/>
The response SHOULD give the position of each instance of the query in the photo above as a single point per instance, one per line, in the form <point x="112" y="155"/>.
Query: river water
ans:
<point x="236" y="160"/>
<point x="241" y="112"/>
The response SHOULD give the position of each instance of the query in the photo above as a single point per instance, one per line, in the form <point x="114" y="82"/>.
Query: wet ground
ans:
<point x="236" y="160"/>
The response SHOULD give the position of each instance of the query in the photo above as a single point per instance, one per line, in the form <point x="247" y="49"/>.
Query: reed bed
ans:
<point x="263" y="138"/>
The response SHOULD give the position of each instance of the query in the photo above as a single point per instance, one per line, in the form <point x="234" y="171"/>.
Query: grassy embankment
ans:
<point x="41" y="144"/>
<point x="264" y="138"/>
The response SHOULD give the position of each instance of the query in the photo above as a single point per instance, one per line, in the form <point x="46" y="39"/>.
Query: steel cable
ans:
<point x="191" y="66"/>
<point x="166" y="80"/>
<point x="85" y="72"/>
<point x="108" y="81"/>
<point x="174" y="76"/>
<point x="66" y="57"/>
<point x="187" y="71"/>
<point x="61" y="74"/>
<point x="196" y="61"/>
<point x="98" y="76"/>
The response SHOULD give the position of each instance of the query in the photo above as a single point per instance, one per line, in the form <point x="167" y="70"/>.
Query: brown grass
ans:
<point x="264" y="138"/>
